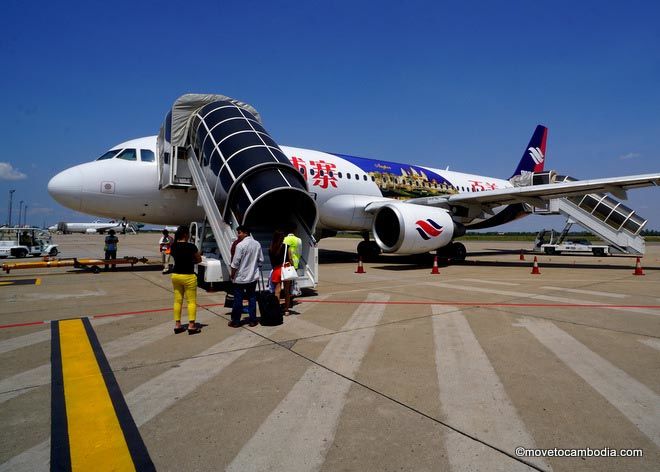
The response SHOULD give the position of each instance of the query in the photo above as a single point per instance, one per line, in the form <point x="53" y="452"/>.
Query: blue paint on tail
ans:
<point x="533" y="157"/>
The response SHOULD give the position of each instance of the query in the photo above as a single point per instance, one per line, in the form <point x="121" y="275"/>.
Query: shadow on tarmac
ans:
<point x="425" y="261"/>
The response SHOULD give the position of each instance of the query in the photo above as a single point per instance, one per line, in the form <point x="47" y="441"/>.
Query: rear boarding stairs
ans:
<point x="602" y="215"/>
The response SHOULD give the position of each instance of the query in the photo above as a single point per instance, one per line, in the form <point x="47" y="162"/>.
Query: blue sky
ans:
<point x="458" y="84"/>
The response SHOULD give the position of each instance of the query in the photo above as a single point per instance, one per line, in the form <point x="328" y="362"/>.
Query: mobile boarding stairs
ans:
<point x="218" y="146"/>
<point x="598" y="213"/>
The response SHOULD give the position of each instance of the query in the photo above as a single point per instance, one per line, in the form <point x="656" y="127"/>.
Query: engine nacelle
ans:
<point x="406" y="228"/>
<point x="91" y="231"/>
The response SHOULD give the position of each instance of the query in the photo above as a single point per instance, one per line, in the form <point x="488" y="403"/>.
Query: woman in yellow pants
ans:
<point x="184" y="279"/>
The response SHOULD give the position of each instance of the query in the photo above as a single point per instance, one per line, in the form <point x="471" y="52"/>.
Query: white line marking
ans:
<point x="22" y="383"/>
<point x="159" y="393"/>
<point x="163" y="391"/>
<point x="473" y="399"/>
<point x="490" y="282"/>
<point x="40" y="336"/>
<point x="62" y="296"/>
<point x="540" y="297"/>
<point x="587" y="292"/>
<point x="651" y="342"/>
<point x="300" y="430"/>
<point x="635" y="400"/>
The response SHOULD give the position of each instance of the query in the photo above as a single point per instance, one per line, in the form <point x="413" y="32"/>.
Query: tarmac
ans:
<point x="483" y="366"/>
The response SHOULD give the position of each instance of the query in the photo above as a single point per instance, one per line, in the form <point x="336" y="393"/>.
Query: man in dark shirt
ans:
<point x="111" y="242"/>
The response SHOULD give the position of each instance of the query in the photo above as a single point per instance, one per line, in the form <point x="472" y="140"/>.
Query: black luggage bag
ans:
<point x="269" y="308"/>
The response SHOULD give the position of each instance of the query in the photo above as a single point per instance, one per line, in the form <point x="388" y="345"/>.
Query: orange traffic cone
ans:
<point x="522" y="256"/>
<point x="360" y="269"/>
<point x="435" y="266"/>
<point x="535" y="268"/>
<point x="638" y="268"/>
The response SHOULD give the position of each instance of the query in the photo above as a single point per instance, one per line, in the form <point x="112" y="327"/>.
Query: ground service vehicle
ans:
<point x="23" y="242"/>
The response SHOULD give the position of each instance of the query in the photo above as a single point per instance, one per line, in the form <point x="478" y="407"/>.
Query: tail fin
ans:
<point x="534" y="156"/>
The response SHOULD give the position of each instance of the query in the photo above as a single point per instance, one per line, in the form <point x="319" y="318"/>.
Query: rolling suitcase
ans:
<point x="269" y="307"/>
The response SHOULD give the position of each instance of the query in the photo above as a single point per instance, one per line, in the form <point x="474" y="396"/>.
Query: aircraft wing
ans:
<point x="537" y="195"/>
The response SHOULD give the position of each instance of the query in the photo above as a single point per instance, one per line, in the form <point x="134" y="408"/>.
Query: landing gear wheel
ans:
<point x="453" y="251"/>
<point x="458" y="251"/>
<point x="96" y="269"/>
<point x="368" y="250"/>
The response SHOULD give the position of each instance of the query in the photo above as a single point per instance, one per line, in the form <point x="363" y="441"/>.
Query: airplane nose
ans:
<point x="66" y="188"/>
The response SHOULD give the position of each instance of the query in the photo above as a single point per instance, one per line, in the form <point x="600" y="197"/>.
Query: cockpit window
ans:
<point x="147" y="155"/>
<point x="108" y="155"/>
<point x="128" y="155"/>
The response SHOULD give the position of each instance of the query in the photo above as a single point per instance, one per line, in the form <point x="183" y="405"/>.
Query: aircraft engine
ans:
<point x="90" y="231"/>
<point x="412" y="229"/>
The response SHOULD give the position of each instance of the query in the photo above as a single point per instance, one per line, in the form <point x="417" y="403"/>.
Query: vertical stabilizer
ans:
<point x="534" y="156"/>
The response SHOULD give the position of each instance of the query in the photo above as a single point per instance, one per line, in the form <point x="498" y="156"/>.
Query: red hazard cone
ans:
<point x="360" y="269"/>
<point x="435" y="266"/>
<point x="638" y="268"/>
<point x="522" y="256"/>
<point x="535" y="268"/>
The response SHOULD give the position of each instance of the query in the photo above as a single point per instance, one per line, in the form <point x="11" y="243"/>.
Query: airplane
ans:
<point x="99" y="227"/>
<point x="409" y="209"/>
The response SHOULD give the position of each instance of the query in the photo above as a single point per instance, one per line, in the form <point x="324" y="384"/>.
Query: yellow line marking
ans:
<point x="37" y="281"/>
<point x="96" y="440"/>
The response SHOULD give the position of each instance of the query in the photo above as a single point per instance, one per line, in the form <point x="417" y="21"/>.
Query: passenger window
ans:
<point x="373" y="179"/>
<point x="311" y="172"/>
<point x="348" y="176"/>
<point x="339" y="174"/>
<point x="357" y="177"/>
<point x="108" y="155"/>
<point x="128" y="155"/>
<point x="321" y="173"/>
<point x="147" y="155"/>
<point x="364" y="177"/>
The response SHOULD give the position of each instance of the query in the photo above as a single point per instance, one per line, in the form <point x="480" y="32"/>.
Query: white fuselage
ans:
<point x="342" y="185"/>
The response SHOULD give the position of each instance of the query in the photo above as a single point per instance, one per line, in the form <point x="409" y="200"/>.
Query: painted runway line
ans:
<point x="152" y="398"/>
<point x="19" y="384"/>
<point x="299" y="431"/>
<point x="91" y="427"/>
<point x="18" y="342"/>
<point x="586" y="292"/>
<point x="534" y="296"/>
<point x="633" y="399"/>
<point x="490" y="282"/>
<point x="651" y="342"/>
<point x="473" y="399"/>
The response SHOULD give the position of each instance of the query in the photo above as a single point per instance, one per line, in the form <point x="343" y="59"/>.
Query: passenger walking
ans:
<point x="184" y="279"/>
<point x="276" y="254"/>
<point x="111" y="242"/>
<point x="164" y="247"/>
<point x="245" y="267"/>
<point x="294" y="244"/>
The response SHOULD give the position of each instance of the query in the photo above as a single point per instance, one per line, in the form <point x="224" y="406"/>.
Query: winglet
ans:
<point x="534" y="156"/>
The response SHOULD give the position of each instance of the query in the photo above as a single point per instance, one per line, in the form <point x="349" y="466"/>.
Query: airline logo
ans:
<point x="536" y="155"/>
<point x="428" y="229"/>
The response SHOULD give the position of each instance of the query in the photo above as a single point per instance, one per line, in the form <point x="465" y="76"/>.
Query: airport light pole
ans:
<point x="11" y="201"/>
<point x="20" y="212"/>
<point x="25" y="214"/>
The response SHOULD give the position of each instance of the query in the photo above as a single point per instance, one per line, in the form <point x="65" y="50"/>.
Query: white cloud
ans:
<point x="7" y="172"/>
<point x="630" y="155"/>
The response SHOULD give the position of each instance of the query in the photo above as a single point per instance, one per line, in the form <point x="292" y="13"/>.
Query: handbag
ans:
<point x="288" y="271"/>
